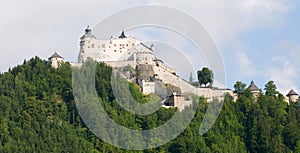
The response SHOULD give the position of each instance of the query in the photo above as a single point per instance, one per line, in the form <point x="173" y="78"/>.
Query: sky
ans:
<point x="258" y="39"/>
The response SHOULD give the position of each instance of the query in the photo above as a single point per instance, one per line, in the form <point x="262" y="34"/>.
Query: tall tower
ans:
<point x="86" y="42"/>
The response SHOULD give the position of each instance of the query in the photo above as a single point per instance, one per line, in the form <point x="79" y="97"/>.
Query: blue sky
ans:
<point x="259" y="39"/>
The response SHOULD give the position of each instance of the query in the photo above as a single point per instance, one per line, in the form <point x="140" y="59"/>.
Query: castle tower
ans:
<point x="145" y="54"/>
<point x="86" y="43"/>
<point x="254" y="89"/>
<point x="293" y="96"/>
<point x="56" y="60"/>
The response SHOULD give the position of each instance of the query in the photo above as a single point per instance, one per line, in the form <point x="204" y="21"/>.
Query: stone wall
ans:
<point x="145" y="72"/>
<point x="120" y="63"/>
<point x="167" y="77"/>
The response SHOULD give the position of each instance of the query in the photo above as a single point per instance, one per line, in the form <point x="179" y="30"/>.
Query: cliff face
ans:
<point x="145" y="72"/>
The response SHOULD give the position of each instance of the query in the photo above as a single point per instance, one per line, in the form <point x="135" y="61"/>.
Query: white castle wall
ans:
<point x="147" y="87"/>
<point x="78" y="65"/>
<point x="114" y="49"/>
<point x="107" y="50"/>
<point x="170" y="78"/>
<point x="185" y="87"/>
<point x="121" y="63"/>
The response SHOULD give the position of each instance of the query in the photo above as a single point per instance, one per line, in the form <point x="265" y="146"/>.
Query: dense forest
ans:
<point x="38" y="114"/>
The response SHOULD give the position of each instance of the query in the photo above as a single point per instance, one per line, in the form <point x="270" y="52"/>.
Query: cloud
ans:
<point x="246" y="66"/>
<point x="284" y="76"/>
<point x="33" y="27"/>
<point x="284" y="67"/>
<point x="226" y="19"/>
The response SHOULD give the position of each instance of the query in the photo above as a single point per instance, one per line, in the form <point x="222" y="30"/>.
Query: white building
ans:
<point x="122" y="49"/>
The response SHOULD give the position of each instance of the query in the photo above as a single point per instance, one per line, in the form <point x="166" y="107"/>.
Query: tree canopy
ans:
<point x="239" y="87"/>
<point x="205" y="76"/>
<point x="38" y="114"/>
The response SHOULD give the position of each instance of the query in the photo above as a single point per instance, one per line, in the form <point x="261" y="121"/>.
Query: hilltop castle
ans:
<point x="116" y="52"/>
<point x="128" y="51"/>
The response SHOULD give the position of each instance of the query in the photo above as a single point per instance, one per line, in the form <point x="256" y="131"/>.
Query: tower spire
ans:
<point x="88" y="31"/>
<point x="122" y="35"/>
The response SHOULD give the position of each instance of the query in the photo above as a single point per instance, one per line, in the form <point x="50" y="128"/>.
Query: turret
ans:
<point x="88" y="33"/>
<point x="86" y="43"/>
<point x="254" y="89"/>
<point x="56" y="60"/>
<point x="293" y="96"/>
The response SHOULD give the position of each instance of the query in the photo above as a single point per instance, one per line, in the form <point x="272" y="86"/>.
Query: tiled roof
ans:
<point x="291" y="93"/>
<point x="55" y="55"/>
<point x="253" y="87"/>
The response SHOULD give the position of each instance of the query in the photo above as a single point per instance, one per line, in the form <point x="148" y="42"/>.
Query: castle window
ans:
<point x="103" y="46"/>
<point x="109" y="46"/>
<point x="120" y="51"/>
<point x="115" y="44"/>
<point x="115" y="50"/>
<point x="93" y="45"/>
<point x="104" y="50"/>
<point x="88" y="46"/>
<point x="127" y="45"/>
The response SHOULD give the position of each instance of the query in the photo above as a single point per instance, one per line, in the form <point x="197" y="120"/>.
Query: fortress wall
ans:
<point x="121" y="63"/>
<point x="168" y="77"/>
<point x="78" y="65"/>
<point x="221" y="92"/>
<point x="185" y="87"/>
<point x="205" y="92"/>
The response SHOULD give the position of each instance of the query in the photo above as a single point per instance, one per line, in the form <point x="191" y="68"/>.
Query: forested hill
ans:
<point x="38" y="114"/>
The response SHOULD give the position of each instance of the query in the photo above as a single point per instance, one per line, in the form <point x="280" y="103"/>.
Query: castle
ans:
<point x="128" y="51"/>
<point x="116" y="52"/>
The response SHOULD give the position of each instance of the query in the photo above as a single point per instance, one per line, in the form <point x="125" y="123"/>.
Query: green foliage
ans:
<point x="38" y="114"/>
<point x="239" y="87"/>
<point x="271" y="88"/>
<point x="205" y="76"/>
